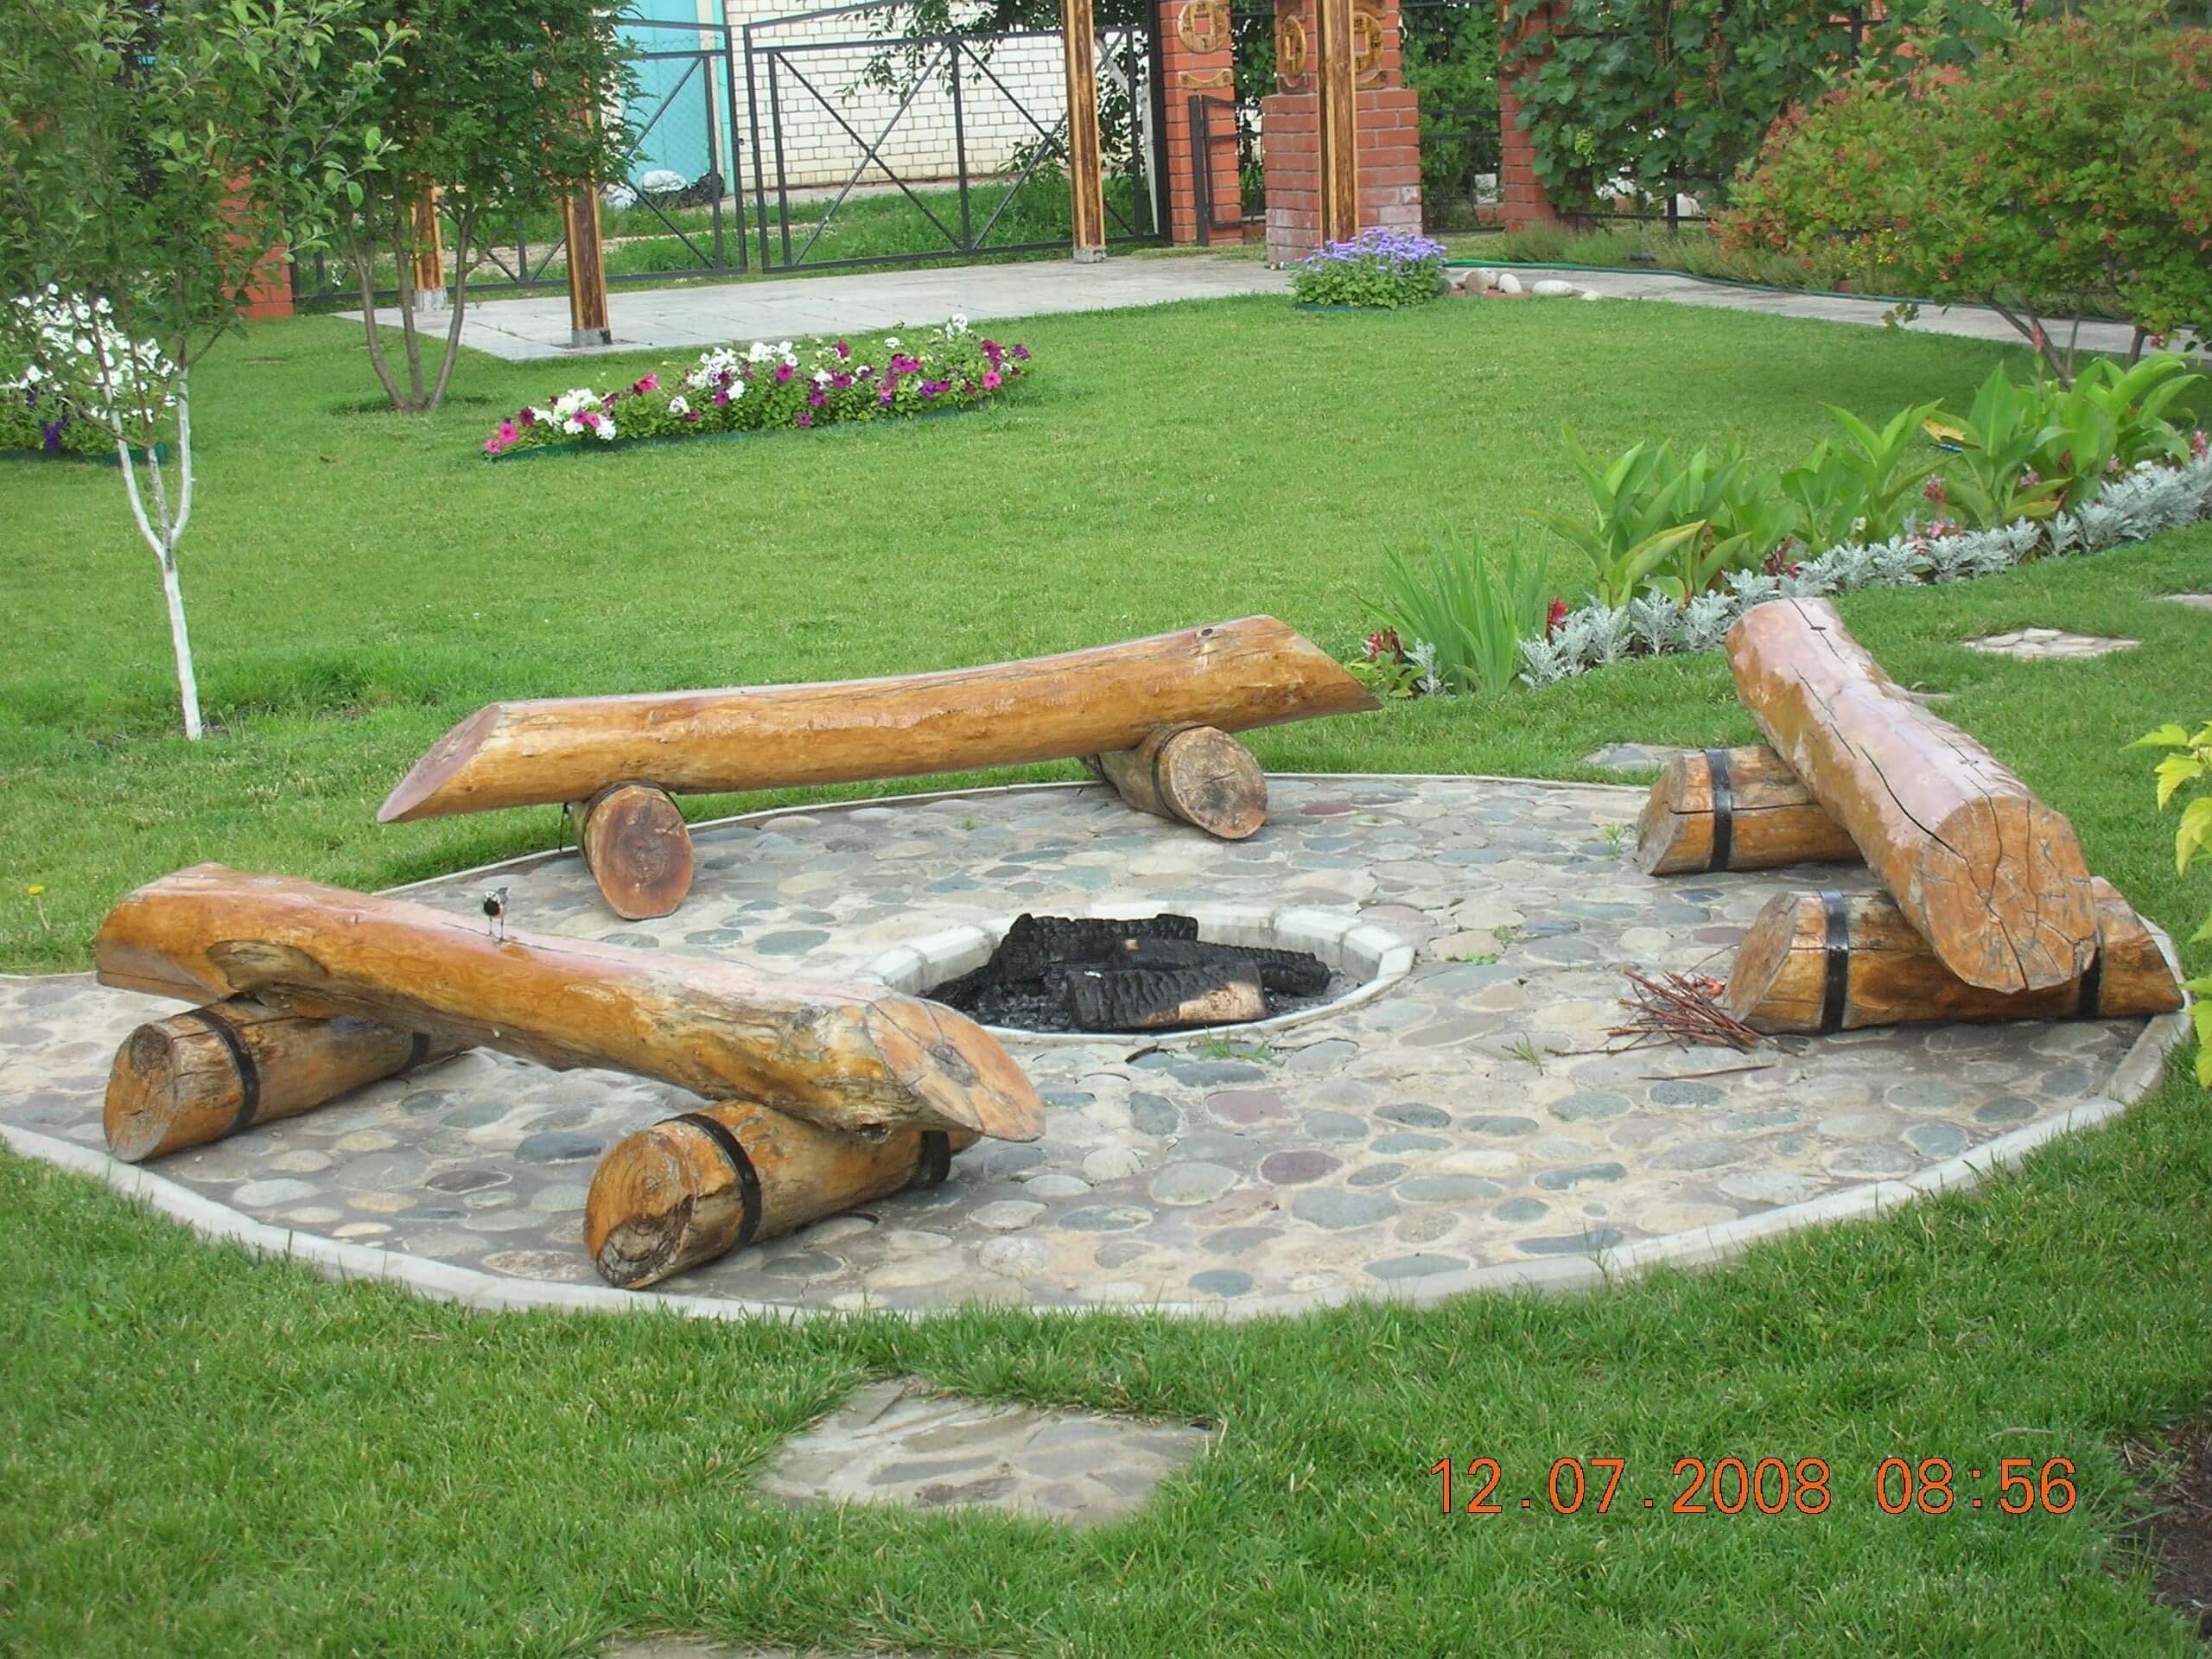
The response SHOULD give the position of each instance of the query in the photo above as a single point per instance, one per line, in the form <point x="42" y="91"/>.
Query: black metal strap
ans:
<point x="1836" y="988"/>
<point x="249" y="1073"/>
<point x="418" y="1050"/>
<point x="2093" y="985"/>
<point x="935" y="1160"/>
<point x="741" y="1163"/>
<point x="1724" y="810"/>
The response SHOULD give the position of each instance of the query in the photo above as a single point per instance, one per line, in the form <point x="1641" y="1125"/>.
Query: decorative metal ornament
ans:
<point x="1203" y="25"/>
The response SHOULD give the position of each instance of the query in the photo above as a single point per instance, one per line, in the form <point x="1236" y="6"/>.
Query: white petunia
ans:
<point x="678" y="408"/>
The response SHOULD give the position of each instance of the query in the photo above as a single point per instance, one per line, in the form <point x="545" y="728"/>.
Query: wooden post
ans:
<point x="209" y="1073"/>
<point x="638" y="848"/>
<point x="691" y="1188"/>
<point x="1339" y="156"/>
<point x="1198" y="774"/>
<point x="430" y="253"/>
<point x="1827" y="962"/>
<point x="1086" y="172"/>
<point x="588" y="324"/>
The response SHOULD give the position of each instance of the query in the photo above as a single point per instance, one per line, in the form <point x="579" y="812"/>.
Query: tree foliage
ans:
<point x="2073" y="162"/>
<point x="502" y="107"/>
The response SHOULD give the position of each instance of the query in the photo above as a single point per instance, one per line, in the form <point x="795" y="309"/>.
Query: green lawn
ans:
<point x="204" y="1455"/>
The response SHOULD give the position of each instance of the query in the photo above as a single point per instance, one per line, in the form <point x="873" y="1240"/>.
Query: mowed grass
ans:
<point x="201" y="1454"/>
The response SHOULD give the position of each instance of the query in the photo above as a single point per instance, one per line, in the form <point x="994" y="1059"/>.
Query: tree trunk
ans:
<point x="198" y="1075"/>
<point x="637" y="849"/>
<point x="693" y="1187"/>
<point x="855" y="1058"/>
<point x="1735" y="810"/>
<point x="1198" y="774"/>
<point x="1821" y="962"/>
<point x="164" y="531"/>
<point x="1991" y="876"/>
<point x="1233" y="676"/>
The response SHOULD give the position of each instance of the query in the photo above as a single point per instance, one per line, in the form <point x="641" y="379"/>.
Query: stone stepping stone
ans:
<point x="897" y="1443"/>
<point x="2048" y="644"/>
<point x="2194" y="602"/>
<point x="1632" y="757"/>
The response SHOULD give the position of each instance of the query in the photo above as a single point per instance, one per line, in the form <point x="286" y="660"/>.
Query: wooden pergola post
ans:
<point x="588" y="324"/>
<point x="430" y="252"/>
<point x="1086" y="174"/>
<point x="1339" y="141"/>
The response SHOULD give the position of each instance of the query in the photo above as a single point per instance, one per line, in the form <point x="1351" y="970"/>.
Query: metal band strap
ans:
<point x="2093" y="985"/>
<point x="1724" y="810"/>
<point x="741" y="1163"/>
<point x="1836" y="988"/>
<point x="249" y="1073"/>
<point x="418" y="1050"/>
<point x="935" y="1160"/>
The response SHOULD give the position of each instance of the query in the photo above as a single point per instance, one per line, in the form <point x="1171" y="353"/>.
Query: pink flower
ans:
<point x="815" y="399"/>
<point x="2200" y="441"/>
<point x="721" y="397"/>
<point x="1555" y="618"/>
<point x="1932" y="489"/>
<point x="886" y="395"/>
<point x="841" y="381"/>
<point x="527" y="416"/>
<point x="805" y="419"/>
<point x="645" y="382"/>
<point x="506" y="432"/>
<point x="991" y="381"/>
<point x="490" y="445"/>
<point x="1021" y="354"/>
<point x="782" y="372"/>
<point x="844" y="352"/>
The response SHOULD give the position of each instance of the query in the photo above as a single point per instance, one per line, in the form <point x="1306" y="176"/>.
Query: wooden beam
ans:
<point x="1234" y="676"/>
<point x="1992" y="876"/>
<point x="1337" y="98"/>
<point x="1198" y="775"/>
<point x="853" y="1057"/>
<point x="587" y="323"/>
<point x="429" y="272"/>
<point x="1823" y="962"/>
<point x="198" y="1076"/>
<point x="1735" y="810"/>
<point x="1086" y="167"/>
<point x="691" y="1188"/>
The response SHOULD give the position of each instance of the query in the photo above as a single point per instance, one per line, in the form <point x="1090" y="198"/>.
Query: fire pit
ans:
<point x="1100" y="974"/>
<point x="1061" y="979"/>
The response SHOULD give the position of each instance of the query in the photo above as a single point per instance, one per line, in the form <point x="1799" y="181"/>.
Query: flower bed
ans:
<point x="71" y="339"/>
<point x="766" y="387"/>
<point x="1378" y="270"/>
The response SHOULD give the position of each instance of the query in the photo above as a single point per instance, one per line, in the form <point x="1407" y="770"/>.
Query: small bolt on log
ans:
<point x="1735" y="810"/>
<point x="1818" y="962"/>
<point x="210" y="1072"/>
<point x="637" y="848"/>
<point x="1195" y="774"/>
<point x="694" y="1187"/>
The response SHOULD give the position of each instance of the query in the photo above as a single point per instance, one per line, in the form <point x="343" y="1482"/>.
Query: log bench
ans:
<point x="1153" y="717"/>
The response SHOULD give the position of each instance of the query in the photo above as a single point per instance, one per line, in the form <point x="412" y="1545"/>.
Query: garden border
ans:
<point x="2139" y="1071"/>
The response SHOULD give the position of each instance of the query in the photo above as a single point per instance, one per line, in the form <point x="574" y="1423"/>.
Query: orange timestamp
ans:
<point x="1733" y="1485"/>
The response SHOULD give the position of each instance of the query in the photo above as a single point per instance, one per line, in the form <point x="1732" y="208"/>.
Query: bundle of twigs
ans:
<point x="1683" y="1009"/>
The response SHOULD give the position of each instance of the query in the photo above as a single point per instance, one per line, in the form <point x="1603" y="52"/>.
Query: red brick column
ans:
<point x="1522" y="197"/>
<point x="1198" y="59"/>
<point x="1385" y="122"/>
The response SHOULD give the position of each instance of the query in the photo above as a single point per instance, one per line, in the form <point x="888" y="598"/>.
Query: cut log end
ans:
<point x="636" y="845"/>
<point x="419" y="794"/>
<point x="1200" y="775"/>
<point x="955" y="1068"/>
<point x="141" y="1104"/>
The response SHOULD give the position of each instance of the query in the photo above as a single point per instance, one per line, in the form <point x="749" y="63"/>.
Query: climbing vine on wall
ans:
<point x="1640" y="97"/>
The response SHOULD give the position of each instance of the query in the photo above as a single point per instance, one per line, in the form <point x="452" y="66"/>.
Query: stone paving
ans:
<point x="2194" y="602"/>
<point x="2048" y="644"/>
<point x="895" y="1442"/>
<point x="1464" y="1119"/>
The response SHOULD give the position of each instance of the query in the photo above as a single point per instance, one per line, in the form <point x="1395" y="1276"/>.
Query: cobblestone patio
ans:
<point x="1461" y="1124"/>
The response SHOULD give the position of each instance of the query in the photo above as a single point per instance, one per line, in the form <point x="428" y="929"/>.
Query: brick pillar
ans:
<point x="1522" y="197"/>
<point x="1198" y="61"/>
<point x="1385" y="122"/>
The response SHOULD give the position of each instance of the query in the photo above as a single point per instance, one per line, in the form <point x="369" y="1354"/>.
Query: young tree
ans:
<point x="503" y="108"/>
<point x="2072" y="165"/>
<point x="152" y="155"/>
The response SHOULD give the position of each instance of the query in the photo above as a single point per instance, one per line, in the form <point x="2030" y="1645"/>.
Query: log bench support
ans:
<point x="638" y="848"/>
<point x="1196" y="774"/>
<point x="693" y="1187"/>
<point x="1824" y="962"/>
<point x="1735" y="810"/>
<point x="210" y="1072"/>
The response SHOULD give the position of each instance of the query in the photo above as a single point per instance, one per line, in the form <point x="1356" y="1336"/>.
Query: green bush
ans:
<point x="2068" y="167"/>
<point x="2187" y="762"/>
<point x="1466" y="615"/>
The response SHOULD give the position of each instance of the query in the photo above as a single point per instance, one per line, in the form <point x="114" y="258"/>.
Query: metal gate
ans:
<point x="882" y="148"/>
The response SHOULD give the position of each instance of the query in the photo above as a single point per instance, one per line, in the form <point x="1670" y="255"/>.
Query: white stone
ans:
<point x="1015" y="1255"/>
<point x="1108" y="1164"/>
<point x="1591" y="294"/>
<point x="1551" y="287"/>
<point x="1057" y="1185"/>
<point x="1006" y="1215"/>
<point x="263" y="1195"/>
<point x="1508" y="283"/>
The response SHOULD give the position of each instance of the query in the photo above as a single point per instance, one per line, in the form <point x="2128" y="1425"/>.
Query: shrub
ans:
<point x="2189" y="762"/>
<point x="1462" y="617"/>
<point x="1381" y="268"/>
<point x="765" y="387"/>
<point x="2067" y="167"/>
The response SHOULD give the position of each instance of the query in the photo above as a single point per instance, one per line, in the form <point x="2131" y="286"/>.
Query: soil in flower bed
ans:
<point x="2179" y="1532"/>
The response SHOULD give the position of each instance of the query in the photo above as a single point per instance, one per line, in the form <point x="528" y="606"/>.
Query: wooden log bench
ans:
<point x="856" y="1059"/>
<point x="1735" y="810"/>
<point x="1155" y="717"/>
<point x="1989" y="875"/>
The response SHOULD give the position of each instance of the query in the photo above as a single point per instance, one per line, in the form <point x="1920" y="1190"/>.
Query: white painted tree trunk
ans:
<point x="163" y="531"/>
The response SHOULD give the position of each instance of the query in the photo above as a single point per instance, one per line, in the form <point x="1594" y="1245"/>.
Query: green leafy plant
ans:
<point x="1471" y="611"/>
<point x="1993" y="481"/>
<point x="1880" y="471"/>
<point x="2188" y="765"/>
<point x="1637" y="529"/>
<point x="2063" y="170"/>
<point x="1380" y="269"/>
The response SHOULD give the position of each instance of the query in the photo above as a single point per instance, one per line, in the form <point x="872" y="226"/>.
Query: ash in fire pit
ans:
<point x="1055" y="973"/>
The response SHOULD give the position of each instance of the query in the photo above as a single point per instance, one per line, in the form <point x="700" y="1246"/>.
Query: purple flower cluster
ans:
<point x="1379" y="267"/>
<point x="1396" y="249"/>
